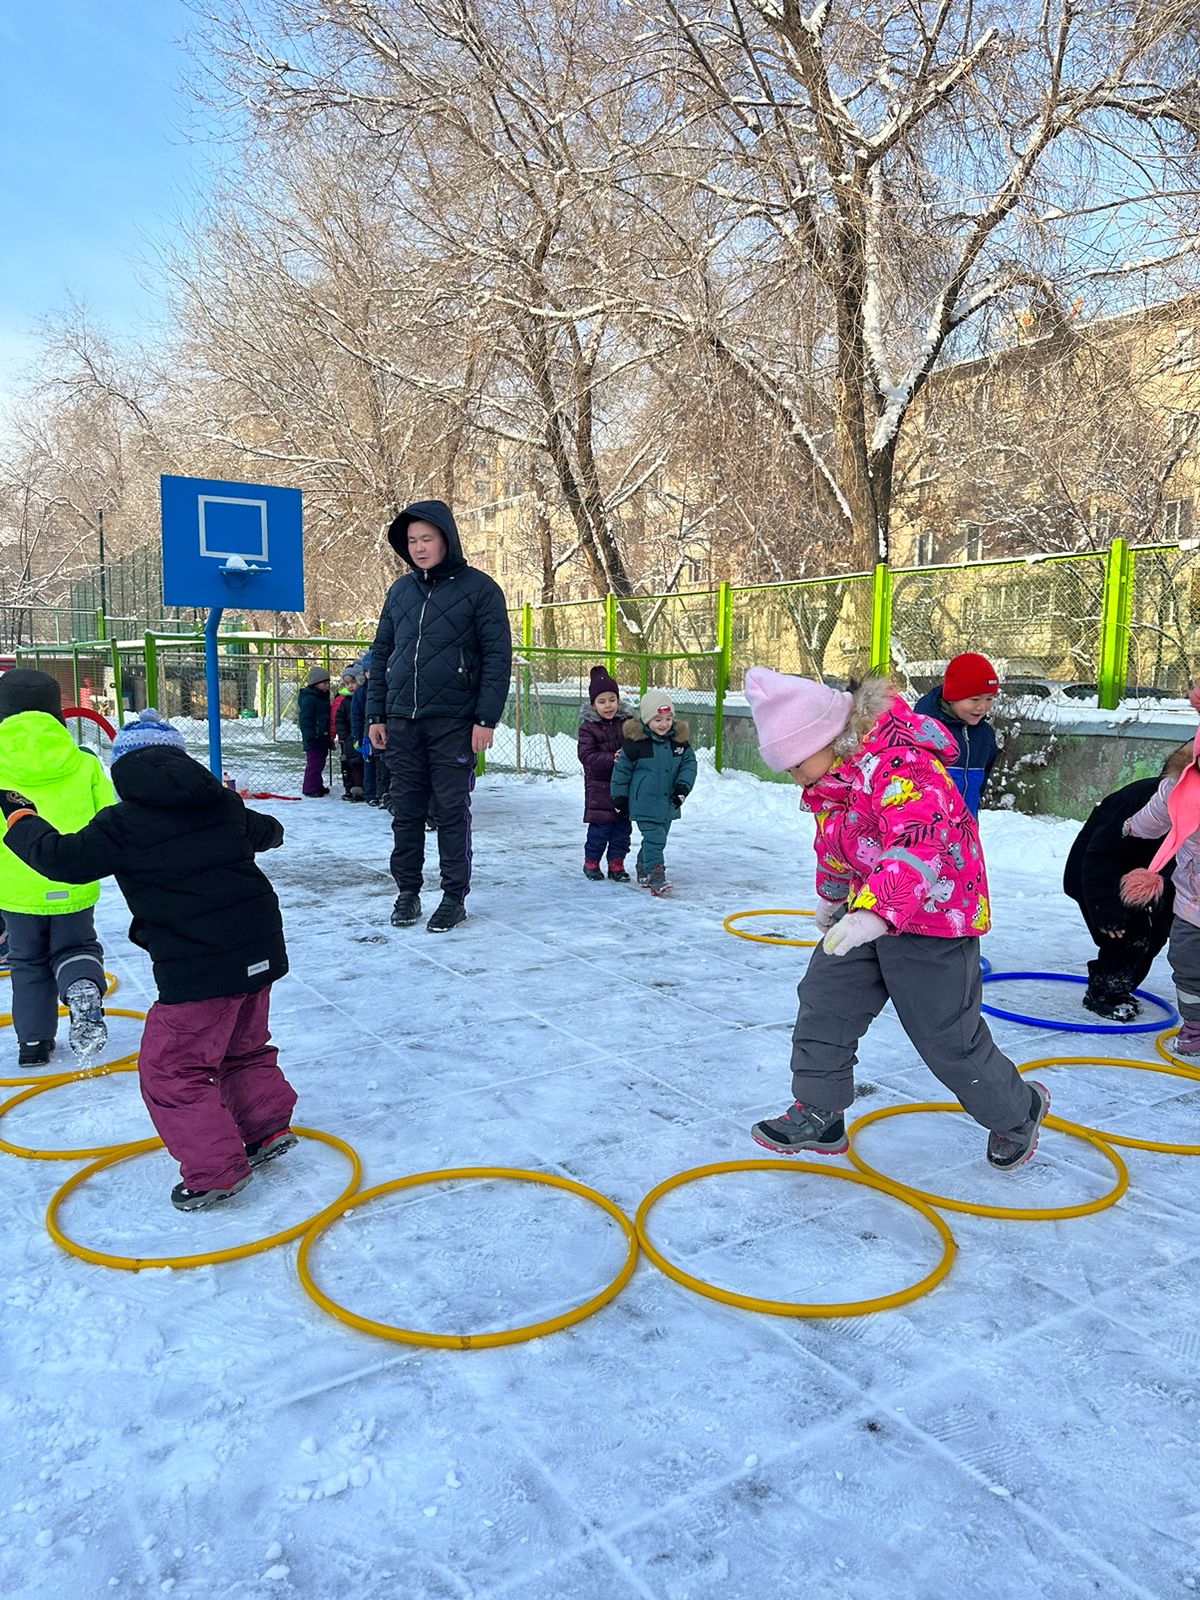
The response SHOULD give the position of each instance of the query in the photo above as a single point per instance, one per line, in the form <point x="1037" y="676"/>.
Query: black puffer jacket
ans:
<point x="181" y="847"/>
<point x="443" y="647"/>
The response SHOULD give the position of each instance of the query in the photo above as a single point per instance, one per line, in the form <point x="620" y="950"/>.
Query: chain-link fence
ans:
<point x="1164" y="623"/>
<point x="820" y="628"/>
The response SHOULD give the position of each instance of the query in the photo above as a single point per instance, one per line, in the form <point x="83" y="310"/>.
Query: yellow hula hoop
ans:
<point x="466" y="1341"/>
<point x="126" y="1064"/>
<point x="763" y="938"/>
<point x="787" y="1308"/>
<point x="54" y="1080"/>
<point x="208" y="1258"/>
<point x="114" y="983"/>
<point x="1008" y="1213"/>
<point x="1156" y="1147"/>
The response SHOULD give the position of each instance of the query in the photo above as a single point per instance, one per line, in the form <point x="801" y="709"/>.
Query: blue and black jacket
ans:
<point x="976" y="748"/>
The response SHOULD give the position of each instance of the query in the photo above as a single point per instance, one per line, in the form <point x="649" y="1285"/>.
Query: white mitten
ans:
<point x="860" y="927"/>
<point x="826" y="913"/>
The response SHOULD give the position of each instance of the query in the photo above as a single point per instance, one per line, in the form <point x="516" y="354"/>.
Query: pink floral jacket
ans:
<point x="893" y="835"/>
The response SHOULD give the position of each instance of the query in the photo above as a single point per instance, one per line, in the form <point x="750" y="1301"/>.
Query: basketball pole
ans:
<point x="212" y="681"/>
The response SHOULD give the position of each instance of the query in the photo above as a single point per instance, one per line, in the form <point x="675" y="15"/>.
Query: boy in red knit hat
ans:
<point x="967" y="694"/>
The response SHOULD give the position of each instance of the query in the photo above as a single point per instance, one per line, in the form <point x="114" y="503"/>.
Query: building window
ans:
<point x="1185" y="349"/>
<point x="972" y="541"/>
<point x="1182" y="431"/>
<point x="693" y="569"/>
<point x="924" y="548"/>
<point x="1177" y="519"/>
<point x="1104" y="524"/>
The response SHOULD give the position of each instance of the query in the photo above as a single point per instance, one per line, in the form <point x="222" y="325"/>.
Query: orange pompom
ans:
<point x="1141" y="887"/>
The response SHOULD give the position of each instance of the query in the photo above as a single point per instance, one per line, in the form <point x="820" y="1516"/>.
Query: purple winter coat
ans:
<point x="599" y="744"/>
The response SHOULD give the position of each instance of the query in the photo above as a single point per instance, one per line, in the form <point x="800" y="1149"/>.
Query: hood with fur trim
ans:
<point x="634" y="728"/>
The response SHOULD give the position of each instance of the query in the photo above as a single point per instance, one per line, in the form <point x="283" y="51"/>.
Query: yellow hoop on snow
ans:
<point x="763" y="938"/>
<point x="209" y="1258"/>
<point x="466" y="1341"/>
<point x="1156" y="1147"/>
<point x="1160" y="1044"/>
<point x="787" y="1308"/>
<point x="125" y="1064"/>
<point x="1007" y="1213"/>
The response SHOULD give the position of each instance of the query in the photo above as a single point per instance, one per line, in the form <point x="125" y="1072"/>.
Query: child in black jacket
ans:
<point x="182" y="847"/>
<point x="1127" y="937"/>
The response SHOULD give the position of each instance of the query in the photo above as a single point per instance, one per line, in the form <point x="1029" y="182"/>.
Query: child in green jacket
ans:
<point x="652" y="777"/>
<point x="53" y="953"/>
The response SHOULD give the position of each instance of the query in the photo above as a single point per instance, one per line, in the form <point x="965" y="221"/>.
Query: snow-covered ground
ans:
<point x="1032" y="1427"/>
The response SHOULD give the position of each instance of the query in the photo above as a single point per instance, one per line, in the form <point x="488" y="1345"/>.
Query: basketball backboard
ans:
<point x="231" y="544"/>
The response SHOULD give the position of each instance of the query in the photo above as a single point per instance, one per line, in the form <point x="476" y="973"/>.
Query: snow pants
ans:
<point x="1183" y="953"/>
<point x="45" y="956"/>
<point x="936" y="988"/>
<point x="433" y="772"/>
<point x="1123" y="964"/>
<point x="314" y="770"/>
<point x="611" y="836"/>
<point x="652" y="850"/>
<point x="210" y="1078"/>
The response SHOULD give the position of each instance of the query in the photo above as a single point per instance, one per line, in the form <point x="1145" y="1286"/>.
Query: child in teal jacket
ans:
<point x="652" y="777"/>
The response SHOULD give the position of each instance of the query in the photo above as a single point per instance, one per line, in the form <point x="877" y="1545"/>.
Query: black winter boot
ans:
<point x="407" y="909"/>
<point x="448" y="915"/>
<point x="591" y="870"/>
<point x="185" y="1199"/>
<point x="35" y="1053"/>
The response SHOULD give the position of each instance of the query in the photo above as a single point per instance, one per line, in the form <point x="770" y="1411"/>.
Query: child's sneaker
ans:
<point x="803" y="1128"/>
<point x="616" y="871"/>
<point x="407" y="909"/>
<point x="185" y="1199"/>
<point x="35" y="1053"/>
<point x="642" y="875"/>
<point x="275" y="1144"/>
<point x="1014" y="1148"/>
<point x="1187" y="1040"/>
<point x="89" y="1032"/>
<point x="591" y="870"/>
<point x="448" y="915"/>
<point x="656" y="879"/>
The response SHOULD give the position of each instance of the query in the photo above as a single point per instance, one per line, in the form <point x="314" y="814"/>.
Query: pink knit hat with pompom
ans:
<point x="794" y="717"/>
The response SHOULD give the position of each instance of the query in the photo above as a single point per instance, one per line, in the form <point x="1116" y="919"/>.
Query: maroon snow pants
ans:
<point x="211" y="1082"/>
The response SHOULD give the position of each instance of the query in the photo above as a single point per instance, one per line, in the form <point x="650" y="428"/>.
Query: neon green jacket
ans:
<point x="68" y="786"/>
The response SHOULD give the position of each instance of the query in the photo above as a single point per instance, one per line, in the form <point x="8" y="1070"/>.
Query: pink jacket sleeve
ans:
<point x="1153" y="820"/>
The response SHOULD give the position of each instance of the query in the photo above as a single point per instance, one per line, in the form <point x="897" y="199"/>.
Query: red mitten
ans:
<point x="1141" y="887"/>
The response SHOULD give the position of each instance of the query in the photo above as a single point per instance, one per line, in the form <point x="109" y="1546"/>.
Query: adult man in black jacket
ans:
<point x="1127" y="937"/>
<point x="439" y="677"/>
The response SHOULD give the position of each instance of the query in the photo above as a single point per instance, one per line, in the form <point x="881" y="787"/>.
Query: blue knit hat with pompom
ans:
<point x="147" y="728"/>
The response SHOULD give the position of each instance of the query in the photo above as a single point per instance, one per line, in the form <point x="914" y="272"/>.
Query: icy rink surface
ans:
<point x="1031" y="1428"/>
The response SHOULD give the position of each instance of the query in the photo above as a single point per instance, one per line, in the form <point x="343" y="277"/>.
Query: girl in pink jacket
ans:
<point x="903" y="899"/>
<point x="1174" y="811"/>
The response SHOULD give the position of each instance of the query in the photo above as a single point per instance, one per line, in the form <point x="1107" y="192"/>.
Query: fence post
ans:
<point x="118" y="701"/>
<point x="151" y="649"/>
<point x="100" y="634"/>
<point x="75" y="674"/>
<point x="881" y="619"/>
<point x="724" y="653"/>
<point x="1113" y="666"/>
<point x="610" y="632"/>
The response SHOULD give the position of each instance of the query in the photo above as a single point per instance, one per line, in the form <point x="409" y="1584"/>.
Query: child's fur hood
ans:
<point x="871" y="699"/>
<point x="634" y="728"/>
<point x="588" y="713"/>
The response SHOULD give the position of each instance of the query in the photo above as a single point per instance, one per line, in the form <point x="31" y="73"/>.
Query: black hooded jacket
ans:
<point x="1101" y="855"/>
<point x="443" y="647"/>
<point x="181" y="847"/>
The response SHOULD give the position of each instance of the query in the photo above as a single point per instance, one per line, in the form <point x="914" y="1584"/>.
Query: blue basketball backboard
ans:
<point x="229" y="545"/>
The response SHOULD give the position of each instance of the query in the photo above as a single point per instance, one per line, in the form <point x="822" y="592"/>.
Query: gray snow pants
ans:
<point x="45" y="956"/>
<point x="1183" y="952"/>
<point x="935" y="987"/>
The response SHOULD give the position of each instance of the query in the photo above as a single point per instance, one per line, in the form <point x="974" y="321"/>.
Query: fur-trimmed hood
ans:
<point x="588" y="713"/>
<point x="634" y="728"/>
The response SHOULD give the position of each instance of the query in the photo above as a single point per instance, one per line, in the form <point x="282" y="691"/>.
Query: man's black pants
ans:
<point x="433" y="772"/>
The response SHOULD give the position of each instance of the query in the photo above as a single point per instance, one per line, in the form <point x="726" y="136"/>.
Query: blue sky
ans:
<point x="95" y="164"/>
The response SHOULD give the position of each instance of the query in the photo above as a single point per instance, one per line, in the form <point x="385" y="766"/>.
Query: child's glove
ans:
<point x="678" y="796"/>
<point x="826" y="913"/>
<point x="15" y="804"/>
<point x="859" y="927"/>
<point x="620" y="804"/>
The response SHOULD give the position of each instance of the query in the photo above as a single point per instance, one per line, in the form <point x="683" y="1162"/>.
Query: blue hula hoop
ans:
<point x="985" y="966"/>
<point x="1156" y="1026"/>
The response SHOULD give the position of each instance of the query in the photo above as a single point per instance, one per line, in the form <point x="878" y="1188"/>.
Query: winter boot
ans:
<point x="89" y="1032"/>
<point x="185" y="1199"/>
<point x="656" y="880"/>
<point x="616" y="871"/>
<point x="1187" y="1041"/>
<point x="803" y="1128"/>
<point x="642" y="875"/>
<point x="35" y="1053"/>
<point x="448" y="915"/>
<point x="1014" y="1148"/>
<point x="407" y="909"/>
<point x="1118" y="1005"/>
<point x="275" y="1144"/>
<point x="591" y="870"/>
